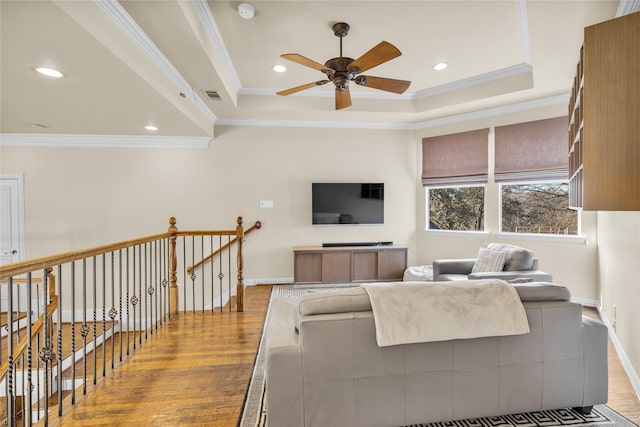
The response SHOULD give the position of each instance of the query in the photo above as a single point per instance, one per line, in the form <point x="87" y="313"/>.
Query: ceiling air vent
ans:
<point x="212" y="95"/>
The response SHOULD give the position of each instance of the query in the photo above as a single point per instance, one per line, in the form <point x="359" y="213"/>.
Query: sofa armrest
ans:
<point x="452" y="266"/>
<point x="284" y="385"/>
<point x="536" y="275"/>
<point x="595" y="361"/>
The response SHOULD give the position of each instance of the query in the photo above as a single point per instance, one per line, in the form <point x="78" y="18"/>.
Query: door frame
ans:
<point x="19" y="223"/>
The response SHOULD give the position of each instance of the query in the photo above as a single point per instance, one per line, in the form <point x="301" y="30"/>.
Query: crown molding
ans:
<point x="132" y="30"/>
<point x="562" y="99"/>
<point x="132" y="141"/>
<point x="478" y="80"/>
<point x="316" y="124"/>
<point x="101" y="141"/>
<point x="213" y="34"/>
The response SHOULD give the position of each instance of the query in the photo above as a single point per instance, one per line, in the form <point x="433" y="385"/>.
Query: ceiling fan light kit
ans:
<point x="343" y="70"/>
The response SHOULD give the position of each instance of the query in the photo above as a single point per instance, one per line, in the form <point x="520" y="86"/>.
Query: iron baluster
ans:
<point x="59" y="328"/>
<point x="213" y="282"/>
<point x="46" y="353"/>
<point x="184" y="272"/>
<point x="28" y="403"/>
<point x="127" y="300"/>
<point x="146" y="282"/>
<point x="73" y="332"/>
<point x="113" y="312"/>
<point x="84" y="329"/>
<point x="120" y="300"/>
<point x="193" y="275"/>
<point x="95" y="319"/>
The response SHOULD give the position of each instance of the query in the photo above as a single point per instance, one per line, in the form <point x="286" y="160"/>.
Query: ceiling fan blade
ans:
<point x="305" y="61"/>
<point x="390" y="85"/>
<point x="301" y="87"/>
<point x="382" y="52"/>
<point x="343" y="98"/>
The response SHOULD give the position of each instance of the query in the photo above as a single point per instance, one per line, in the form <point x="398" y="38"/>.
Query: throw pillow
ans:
<point x="517" y="258"/>
<point x="489" y="260"/>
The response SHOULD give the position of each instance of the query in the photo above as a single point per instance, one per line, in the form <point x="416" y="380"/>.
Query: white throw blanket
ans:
<point x="412" y="312"/>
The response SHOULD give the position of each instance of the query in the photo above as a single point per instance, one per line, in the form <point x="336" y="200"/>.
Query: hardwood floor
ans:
<point x="195" y="370"/>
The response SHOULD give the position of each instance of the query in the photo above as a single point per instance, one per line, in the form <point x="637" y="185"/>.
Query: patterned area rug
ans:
<point x="254" y="412"/>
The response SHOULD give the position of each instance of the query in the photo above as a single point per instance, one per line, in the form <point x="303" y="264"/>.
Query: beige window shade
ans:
<point x="532" y="151"/>
<point x="457" y="159"/>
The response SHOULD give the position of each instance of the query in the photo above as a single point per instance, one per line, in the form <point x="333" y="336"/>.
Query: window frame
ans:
<point x="510" y="235"/>
<point x="467" y="233"/>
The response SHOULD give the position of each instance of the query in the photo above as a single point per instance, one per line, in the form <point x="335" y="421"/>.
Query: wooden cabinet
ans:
<point x="316" y="264"/>
<point x="604" y="124"/>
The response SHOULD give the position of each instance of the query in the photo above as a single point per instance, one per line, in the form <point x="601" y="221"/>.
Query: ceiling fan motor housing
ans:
<point x="339" y="74"/>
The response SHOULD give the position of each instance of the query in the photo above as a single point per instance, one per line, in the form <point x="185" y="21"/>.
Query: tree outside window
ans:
<point x="456" y="208"/>
<point x="541" y="208"/>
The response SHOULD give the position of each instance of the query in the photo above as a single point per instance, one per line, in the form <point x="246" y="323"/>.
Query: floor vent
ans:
<point x="212" y="95"/>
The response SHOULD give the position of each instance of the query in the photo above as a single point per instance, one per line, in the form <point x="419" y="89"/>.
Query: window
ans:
<point x="538" y="208"/>
<point x="456" y="208"/>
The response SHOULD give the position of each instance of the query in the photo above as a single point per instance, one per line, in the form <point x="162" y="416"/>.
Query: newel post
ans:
<point x="240" y="286"/>
<point x="173" y="276"/>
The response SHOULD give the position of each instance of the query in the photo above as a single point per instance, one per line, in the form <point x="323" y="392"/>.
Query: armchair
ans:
<point x="518" y="263"/>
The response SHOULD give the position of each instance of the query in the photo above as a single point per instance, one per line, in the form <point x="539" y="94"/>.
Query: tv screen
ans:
<point x="347" y="203"/>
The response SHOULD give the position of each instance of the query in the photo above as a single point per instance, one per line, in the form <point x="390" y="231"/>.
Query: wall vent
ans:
<point x="212" y="95"/>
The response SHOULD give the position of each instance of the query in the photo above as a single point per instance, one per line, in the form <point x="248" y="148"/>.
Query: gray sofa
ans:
<point x="519" y="263"/>
<point x="324" y="368"/>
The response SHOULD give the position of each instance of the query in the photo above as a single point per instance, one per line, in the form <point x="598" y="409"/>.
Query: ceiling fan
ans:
<point x="342" y="70"/>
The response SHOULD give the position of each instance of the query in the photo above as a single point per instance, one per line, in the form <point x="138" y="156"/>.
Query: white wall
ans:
<point x="619" y="261"/>
<point x="82" y="197"/>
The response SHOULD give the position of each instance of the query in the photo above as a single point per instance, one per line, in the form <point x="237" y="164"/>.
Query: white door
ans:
<point x="11" y="234"/>
<point x="11" y="218"/>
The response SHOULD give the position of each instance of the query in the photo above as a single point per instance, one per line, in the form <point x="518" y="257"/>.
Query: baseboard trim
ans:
<point x="587" y="302"/>
<point x="624" y="360"/>
<point x="269" y="281"/>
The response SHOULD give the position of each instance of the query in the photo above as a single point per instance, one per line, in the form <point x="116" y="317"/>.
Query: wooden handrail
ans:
<point x="34" y="264"/>
<point x="35" y="329"/>
<point x="255" y="226"/>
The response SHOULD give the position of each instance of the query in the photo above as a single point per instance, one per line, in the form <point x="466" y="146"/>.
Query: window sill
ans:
<point x="456" y="233"/>
<point x="543" y="237"/>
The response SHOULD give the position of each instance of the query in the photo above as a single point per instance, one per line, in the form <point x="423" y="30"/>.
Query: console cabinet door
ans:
<point x="391" y="264"/>
<point x="307" y="267"/>
<point x="336" y="267"/>
<point x="365" y="266"/>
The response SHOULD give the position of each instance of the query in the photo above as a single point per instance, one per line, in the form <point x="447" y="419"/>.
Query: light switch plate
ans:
<point x="266" y="203"/>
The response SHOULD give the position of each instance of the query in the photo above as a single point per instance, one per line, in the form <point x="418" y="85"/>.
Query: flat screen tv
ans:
<point x="347" y="203"/>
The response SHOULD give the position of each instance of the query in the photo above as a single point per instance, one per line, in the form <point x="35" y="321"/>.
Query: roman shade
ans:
<point x="456" y="159"/>
<point x="532" y="151"/>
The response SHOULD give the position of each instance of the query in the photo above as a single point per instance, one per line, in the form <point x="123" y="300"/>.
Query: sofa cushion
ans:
<point x="489" y="260"/>
<point x="340" y="301"/>
<point x="517" y="258"/>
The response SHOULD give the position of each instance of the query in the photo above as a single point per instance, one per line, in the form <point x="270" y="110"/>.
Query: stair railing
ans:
<point x="91" y="309"/>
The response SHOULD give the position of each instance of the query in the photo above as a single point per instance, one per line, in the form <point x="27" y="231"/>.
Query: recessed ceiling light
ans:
<point x="37" y="126"/>
<point x="50" y="72"/>
<point x="440" y="66"/>
<point x="279" y="68"/>
<point x="151" y="128"/>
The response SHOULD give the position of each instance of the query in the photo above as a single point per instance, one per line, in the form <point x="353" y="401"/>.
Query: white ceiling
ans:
<point x="135" y="62"/>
